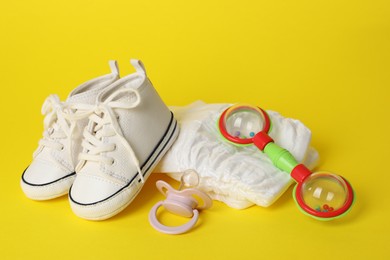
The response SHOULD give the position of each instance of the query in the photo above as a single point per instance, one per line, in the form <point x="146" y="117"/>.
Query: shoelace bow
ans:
<point x="103" y="115"/>
<point x="59" y="123"/>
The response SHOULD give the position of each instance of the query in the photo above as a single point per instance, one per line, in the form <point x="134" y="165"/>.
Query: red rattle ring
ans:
<point x="235" y="138"/>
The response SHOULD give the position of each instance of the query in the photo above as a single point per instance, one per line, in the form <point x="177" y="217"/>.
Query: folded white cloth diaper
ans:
<point x="238" y="176"/>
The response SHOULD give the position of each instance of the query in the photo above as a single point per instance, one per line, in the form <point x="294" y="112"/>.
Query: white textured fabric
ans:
<point x="53" y="167"/>
<point x="238" y="176"/>
<point x="129" y="131"/>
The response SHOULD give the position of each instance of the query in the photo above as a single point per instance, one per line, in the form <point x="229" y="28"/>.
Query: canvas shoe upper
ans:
<point x="129" y="132"/>
<point x="52" y="170"/>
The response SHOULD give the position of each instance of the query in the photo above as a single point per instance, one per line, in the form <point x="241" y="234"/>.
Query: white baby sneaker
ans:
<point x="127" y="135"/>
<point x="52" y="170"/>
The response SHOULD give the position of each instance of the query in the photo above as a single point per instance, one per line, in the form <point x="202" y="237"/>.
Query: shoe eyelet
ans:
<point x="62" y="148"/>
<point x="113" y="161"/>
<point x="115" y="147"/>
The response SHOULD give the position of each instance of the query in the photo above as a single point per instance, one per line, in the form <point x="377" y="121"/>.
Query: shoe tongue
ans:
<point x="117" y="96"/>
<point x="84" y="98"/>
<point x="132" y="81"/>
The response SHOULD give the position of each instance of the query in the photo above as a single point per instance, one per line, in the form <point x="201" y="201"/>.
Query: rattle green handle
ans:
<point x="280" y="157"/>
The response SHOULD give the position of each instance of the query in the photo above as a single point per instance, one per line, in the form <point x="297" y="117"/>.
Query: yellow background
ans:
<point x="326" y="63"/>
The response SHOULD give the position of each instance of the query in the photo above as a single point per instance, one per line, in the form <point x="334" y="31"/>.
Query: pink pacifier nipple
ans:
<point x="180" y="202"/>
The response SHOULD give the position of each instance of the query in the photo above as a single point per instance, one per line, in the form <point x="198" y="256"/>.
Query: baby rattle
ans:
<point x="322" y="195"/>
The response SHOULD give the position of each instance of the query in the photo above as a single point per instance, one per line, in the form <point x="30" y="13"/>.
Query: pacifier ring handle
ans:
<point x="182" y="203"/>
<point x="172" y="230"/>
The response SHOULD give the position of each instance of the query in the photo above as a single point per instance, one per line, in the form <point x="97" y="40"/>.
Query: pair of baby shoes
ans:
<point x="101" y="144"/>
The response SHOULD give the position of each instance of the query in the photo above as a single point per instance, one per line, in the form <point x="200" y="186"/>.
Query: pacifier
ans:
<point x="183" y="202"/>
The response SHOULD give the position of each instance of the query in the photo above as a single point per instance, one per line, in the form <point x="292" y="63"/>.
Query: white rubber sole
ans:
<point x="119" y="201"/>
<point x="47" y="191"/>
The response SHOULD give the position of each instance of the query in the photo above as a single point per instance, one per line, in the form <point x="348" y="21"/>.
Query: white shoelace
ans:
<point x="59" y="123"/>
<point x="104" y="115"/>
